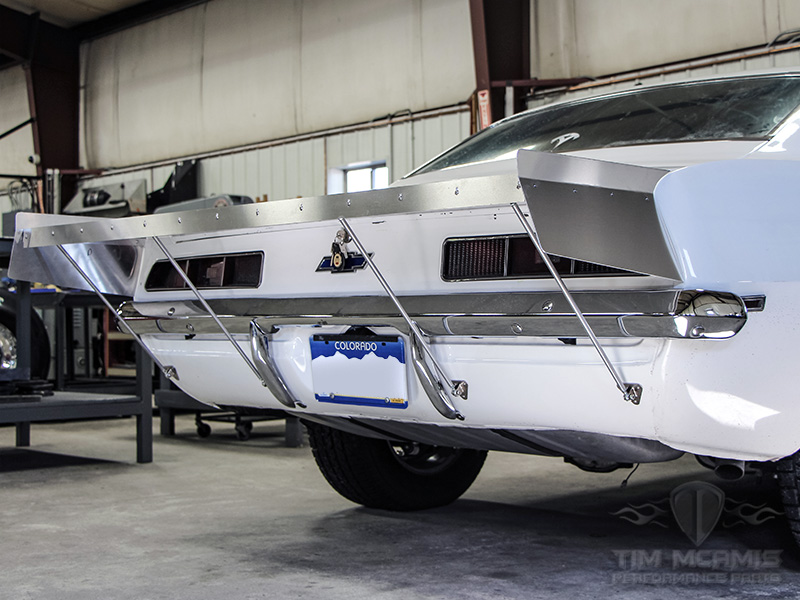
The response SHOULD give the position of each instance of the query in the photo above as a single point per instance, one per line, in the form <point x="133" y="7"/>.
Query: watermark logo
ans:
<point x="714" y="560"/>
<point x="697" y="508"/>
<point x="697" y="566"/>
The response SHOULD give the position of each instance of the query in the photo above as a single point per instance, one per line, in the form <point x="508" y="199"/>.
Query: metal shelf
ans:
<point x="66" y="406"/>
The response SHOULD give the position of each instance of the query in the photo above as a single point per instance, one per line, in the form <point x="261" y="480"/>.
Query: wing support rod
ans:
<point x="432" y="384"/>
<point x="169" y="371"/>
<point x="631" y="392"/>
<point x="208" y="309"/>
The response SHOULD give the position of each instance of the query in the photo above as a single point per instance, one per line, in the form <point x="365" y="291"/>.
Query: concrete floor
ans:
<point x="220" y="518"/>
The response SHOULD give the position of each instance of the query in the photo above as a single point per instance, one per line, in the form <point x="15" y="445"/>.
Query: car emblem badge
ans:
<point x="339" y="263"/>
<point x="697" y="507"/>
<point x="340" y="260"/>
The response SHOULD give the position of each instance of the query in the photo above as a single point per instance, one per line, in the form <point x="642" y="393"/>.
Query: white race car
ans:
<point x="610" y="280"/>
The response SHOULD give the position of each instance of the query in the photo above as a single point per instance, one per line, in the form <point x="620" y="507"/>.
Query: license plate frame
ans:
<point x="359" y="370"/>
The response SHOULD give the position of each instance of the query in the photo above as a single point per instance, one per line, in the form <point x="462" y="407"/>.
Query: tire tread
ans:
<point x="364" y="471"/>
<point x="789" y="481"/>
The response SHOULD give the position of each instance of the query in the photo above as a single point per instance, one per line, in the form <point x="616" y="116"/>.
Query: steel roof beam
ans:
<point x="501" y="45"/>
<point x="49" y="57"/>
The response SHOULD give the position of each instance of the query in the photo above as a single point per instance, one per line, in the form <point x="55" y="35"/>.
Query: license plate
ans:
<point x="359" y="370"/>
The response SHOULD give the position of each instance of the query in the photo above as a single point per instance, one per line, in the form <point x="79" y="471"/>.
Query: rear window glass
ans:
<point x="717" y="110"/>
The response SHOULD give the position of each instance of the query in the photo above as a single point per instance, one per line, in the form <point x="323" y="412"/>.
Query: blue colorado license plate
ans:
<point x="359" y="370"/>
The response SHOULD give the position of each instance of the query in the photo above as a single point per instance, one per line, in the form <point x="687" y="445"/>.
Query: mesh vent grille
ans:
<point x="475" y="258"/>
<point x="584" y="268"/>
<point x="509" y="256"/>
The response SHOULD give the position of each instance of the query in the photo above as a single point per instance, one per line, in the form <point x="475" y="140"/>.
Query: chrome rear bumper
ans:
<point x="681" y="314"/>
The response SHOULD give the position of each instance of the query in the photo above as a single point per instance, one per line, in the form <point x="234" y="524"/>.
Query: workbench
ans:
<point x="22" y="410"/>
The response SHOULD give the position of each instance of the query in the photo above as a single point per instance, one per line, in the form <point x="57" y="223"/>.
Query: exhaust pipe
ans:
<point x="729" y="470"/>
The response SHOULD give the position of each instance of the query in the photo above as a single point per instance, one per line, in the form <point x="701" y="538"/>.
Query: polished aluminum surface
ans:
<point x="657" y="313"/>
<point x="475" y="192"/>
<point x="169" y="371"/>
<point x="631" y="392"/>
<point x="588" y="172"/>
<point x="596" y="211"/>
<point x="588" y="210"/>
<point x="101" y="262"/>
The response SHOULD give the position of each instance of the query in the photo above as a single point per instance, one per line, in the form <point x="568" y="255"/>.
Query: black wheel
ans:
<point x="789" y="480"/>
<point x="40" y="342"/>
<point x="392" y="475"/>
<point x="203" y="430"/>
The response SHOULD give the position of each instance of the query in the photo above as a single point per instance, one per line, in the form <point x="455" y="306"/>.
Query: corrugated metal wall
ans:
<point x="227" y="73"/>
<point x="284" y="171"/>
<point x="18" y="146"/>
<point x="577" y="38"/>
<point x="300" y="168"/>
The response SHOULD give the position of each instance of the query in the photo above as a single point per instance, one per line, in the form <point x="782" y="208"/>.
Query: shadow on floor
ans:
<point x="572" y="545"/>
<point x="23" y="459"/>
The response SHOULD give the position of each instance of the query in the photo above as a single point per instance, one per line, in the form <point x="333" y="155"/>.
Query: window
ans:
<point x="358" y="177"/>
<point x="726" y="109"/>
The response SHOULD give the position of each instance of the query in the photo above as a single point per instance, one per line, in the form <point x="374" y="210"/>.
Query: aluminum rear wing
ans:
<point x="584" y="209"/>
<point x="579" y="208"/>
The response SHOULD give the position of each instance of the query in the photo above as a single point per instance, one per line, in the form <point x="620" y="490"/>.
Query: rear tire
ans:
<point x="789" y="480"/>
<point x="392" y="475"/>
